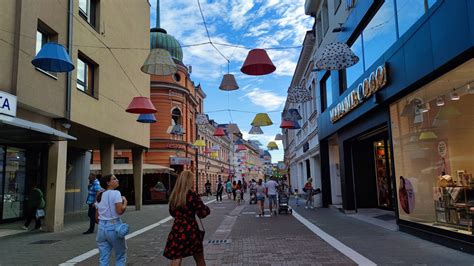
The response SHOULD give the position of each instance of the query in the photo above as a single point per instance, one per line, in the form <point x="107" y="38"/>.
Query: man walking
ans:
<point x="94" y="188"/>
<point x="271" y="187"/>
<point x="220" y="189"/>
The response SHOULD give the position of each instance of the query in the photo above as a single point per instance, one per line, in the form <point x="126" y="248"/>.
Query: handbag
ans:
<point x="201" y="232"/>
<point x="40" y="213"/>
<point x="121" y="229"/>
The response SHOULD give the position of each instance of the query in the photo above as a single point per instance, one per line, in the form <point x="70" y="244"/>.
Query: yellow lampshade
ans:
<point x="261" y="120"/>
<point x="272" y="145"/>
<point x="159" y="62"/>
<point x="427" y="135"/>
<point x="214" y="154"/>
<point x="200" y="143"/>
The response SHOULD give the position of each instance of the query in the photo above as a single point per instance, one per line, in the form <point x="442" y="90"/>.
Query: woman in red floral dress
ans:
<point x="184" y="238"/>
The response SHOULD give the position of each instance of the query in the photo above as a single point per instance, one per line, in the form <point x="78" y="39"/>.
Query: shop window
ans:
<point x="432" y="135"/>
<point x="380" y="33"/>
<point x="86" y="75"/>
<point x="89" y="11"/>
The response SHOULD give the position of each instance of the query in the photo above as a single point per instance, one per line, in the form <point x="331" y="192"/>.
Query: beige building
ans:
<point x="60" y="117"/>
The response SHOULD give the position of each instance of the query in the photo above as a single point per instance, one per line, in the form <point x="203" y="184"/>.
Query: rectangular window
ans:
<point x="44" y="34"/>
<point x="432" y="136"/>
<point x="380" y="33"/>
<point x="41" y="39"/>
<point x="326" y="91"/>
<point x="85" y="75"/>
<point x="337" y="4"/>
<point x="88" y="10"/>
<point x="325" y="17"/>
<point x="319" y="29"/>
<point x="355" y="71"/>
<point x="342" y="81"/>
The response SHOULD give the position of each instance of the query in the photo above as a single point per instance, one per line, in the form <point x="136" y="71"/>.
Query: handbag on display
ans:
<point x="40" y="213"/>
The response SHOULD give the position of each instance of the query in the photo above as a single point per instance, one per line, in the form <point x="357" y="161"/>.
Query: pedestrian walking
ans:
<point x="228" y="188"/>
<point x="208" y="188"/>
<point x="35" y="208"/>
<point x="260" y="193"/>
<point x="185" y="238"/>
<point x="297" y="197"/>
<point x="234" y="187"/>
<point x="240" y="186"/>
<point x="308" y="189"/>
<point x="94" y="188"/>
<point x="110" y="207"/>
<point x="271" y="188"/>
<point x="219" y="190"/>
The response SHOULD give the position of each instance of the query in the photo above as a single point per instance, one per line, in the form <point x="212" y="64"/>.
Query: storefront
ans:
<point x="402" y="139"/>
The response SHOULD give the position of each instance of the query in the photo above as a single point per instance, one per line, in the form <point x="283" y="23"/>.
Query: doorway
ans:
<point x="371" y="170"/>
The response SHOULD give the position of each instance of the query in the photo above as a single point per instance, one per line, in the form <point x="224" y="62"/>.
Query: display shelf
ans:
<point x="456" y="212"/>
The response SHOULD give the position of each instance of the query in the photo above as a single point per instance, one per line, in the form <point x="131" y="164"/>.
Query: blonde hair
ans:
<point x="181" y="188"/>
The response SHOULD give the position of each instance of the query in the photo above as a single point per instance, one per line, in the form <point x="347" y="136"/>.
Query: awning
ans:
<point x="14" y="129"/>
<point x="127" y="169"/>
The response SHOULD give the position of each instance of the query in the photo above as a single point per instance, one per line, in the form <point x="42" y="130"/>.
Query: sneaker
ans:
<point x="312" y="207"/>
<point x="24" y="227"/>
<point x="88" y="232"/>
<point x="306" y="207"/>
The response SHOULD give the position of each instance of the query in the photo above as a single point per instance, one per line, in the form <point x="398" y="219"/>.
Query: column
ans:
<point x="56" y="186"/>
<point x="137" y="157"/>
<point x="106" y="156"/>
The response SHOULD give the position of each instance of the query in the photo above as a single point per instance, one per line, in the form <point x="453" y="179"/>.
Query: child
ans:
<point x="297" y="197"/>
<point x="238" y="195"/>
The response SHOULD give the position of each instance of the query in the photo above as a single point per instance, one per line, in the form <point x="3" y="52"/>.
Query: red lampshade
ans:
<point x="286" y="124"/>
<point x="240" y="147"/>
<point x="219" y="132"/>
<point x="141" y="105"/>
<point x="257" y="63"/>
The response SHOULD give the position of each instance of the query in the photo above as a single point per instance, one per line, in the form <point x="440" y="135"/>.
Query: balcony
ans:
<point x="311" y="7"/>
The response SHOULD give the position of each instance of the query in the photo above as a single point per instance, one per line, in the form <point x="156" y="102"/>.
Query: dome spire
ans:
<point x="157" y="24"/>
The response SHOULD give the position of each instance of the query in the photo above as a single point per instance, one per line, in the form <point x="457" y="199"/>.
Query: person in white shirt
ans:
<point x="110" y="206"/>
<point x="271" y="187"/>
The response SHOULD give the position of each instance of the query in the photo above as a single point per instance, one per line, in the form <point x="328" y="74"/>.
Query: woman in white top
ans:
<point x="110" y="206"/>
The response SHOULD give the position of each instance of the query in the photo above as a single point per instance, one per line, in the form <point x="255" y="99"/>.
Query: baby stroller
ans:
<point x="283" y="200"/>
<point x="253" y="196"/>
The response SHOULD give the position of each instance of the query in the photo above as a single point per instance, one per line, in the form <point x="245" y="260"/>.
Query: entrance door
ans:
<point x="382" y="173"/>
<point x="14" y="183"/>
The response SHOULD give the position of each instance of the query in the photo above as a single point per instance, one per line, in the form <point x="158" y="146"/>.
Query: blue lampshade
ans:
<point x="53" y="57"/>
<point x="146" y="118"/>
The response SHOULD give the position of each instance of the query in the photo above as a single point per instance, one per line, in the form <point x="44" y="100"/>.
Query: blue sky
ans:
<point x="250" y="23"/>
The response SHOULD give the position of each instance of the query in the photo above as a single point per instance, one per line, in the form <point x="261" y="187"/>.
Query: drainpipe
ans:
<point x="69" y="48"/>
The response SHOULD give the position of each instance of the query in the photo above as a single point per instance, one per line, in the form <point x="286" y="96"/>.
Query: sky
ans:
<point x="249" y="23"/>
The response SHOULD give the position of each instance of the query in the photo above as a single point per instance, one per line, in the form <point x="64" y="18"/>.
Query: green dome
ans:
<point x="160" y="39"/>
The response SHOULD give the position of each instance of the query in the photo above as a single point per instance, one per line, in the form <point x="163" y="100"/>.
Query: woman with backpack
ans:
<point x="308" y="189"/>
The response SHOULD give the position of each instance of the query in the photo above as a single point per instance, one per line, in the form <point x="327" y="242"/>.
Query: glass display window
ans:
<point x="433" y="149"/>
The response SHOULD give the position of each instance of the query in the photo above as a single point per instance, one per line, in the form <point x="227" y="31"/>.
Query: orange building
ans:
<point x="177" y="100"/>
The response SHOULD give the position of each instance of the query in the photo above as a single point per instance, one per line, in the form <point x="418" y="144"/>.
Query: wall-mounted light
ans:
<point x="424" y="107"/>
<point x="469" y="89"/>
<point x="454" y="96"/>
<point x="440" y="101"/>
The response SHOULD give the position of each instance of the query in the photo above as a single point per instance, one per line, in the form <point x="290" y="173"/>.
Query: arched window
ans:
<point x="176" y="116"/>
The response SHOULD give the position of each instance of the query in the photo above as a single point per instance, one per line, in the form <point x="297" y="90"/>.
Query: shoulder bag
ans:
<point x="121" y="229"/>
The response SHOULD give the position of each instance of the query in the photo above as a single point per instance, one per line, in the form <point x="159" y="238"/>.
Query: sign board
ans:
<point x="180" y="161"/>
<point x="7" y="104"/>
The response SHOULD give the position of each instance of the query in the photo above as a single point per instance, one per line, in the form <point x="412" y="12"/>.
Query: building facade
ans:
<point x="62" y="116"/>
<point x="397" y="126"/>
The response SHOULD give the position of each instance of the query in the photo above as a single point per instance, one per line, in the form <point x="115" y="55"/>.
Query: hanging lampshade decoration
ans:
<point x="146" y="118"/>
<point x="201" y="119"/>
<point x="141" y="105"/>
<point x="199" y="143"/>
<point x="53" y="57"/>
<point x="296" y="125"/>
<point x="272" y="145"/>
<point x="238" y="142"/>
<point x="292" y="115"/>
<point x="336" y="56"/>
<point x="298" y="95"/>
<point x="207" y="150"/>
<point x="159" y="62"/>
<point x="240" y="147"/>
<point x="255" y="130"/>
<point x="177" y="130"/>
<point x="233" y="128"/>
<point x="261" y="120"/>
<point x="257" y="63"/>
<point x="286" y="124"/>
<point x="214" y="154"/>
<point x="219" y="132"/>
<point x="228" y="83"/>
<point x="215" y="148"/>
<point x="279" y="136"/>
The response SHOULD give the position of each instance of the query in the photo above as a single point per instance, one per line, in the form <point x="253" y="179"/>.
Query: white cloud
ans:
<point x="266" y="99"/>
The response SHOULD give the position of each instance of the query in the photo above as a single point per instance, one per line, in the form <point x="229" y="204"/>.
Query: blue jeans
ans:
<point x="107" y="239"/>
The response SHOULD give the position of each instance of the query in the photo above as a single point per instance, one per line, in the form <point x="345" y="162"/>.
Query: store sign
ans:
<point x="180" y="161"/>
<point x="7" y="104"/>
<point x="175" y="146"/>
<point x="376" y="81"/>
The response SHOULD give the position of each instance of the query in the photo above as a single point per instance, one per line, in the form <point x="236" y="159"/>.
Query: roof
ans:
<point x="160" y="39"/>
<point x="127" y="169"/>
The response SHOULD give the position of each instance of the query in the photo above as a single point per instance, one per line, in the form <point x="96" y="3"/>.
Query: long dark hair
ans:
<point x="103" y="183"/>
